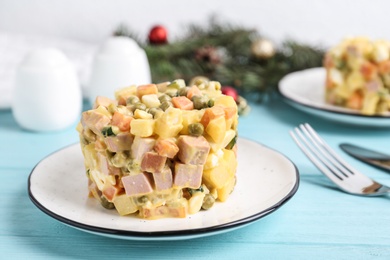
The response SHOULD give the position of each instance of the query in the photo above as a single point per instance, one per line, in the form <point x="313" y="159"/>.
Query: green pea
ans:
<point x="154" y="111"/>
<point x="119" y="159"/>
<point x="200" y="102"/>
<point x="112" y="108"/>
<point x="133" y="165"/>
<point x="210" y="103"/>
<point x="164" y="98"/>
<point x="195" y="129"/>
<point x="183" y="91"/>
<point x="142" y="199"/>
<point x="140" y="106"/>
<point x="215" y="85"/>
<point x="106" y="204"/>
<point x="208" y="201"/>
<point x="132" y="100"/>
<point x="165" y="105"/>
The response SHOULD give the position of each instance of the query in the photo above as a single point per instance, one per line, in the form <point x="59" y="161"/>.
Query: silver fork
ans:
<point x="333" y="166"/>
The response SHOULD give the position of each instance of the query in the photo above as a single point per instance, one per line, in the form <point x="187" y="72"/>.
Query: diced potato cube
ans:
<point x="229" y="158"/>
<point x="151" y="100"/>
<point x="216" y="177"/>
<point x="226" y="101"/>
<point x="224" y="192"/>
<point x="195" y="202"/>
<point x="140" y="114"/>
<point x="170" y="123"/>
<point x="125" y="205"/>
<point x="216" y="129"/>
<point x="142" y="127"/>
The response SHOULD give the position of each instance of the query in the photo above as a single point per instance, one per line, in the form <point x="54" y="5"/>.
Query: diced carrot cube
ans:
<point x="146" y="90"/>
<point x="368" y="70"/>
<point x="193" y="91"/>
<point x="110" y="192"/>
<point x="182" y="103"/>
<point x="355" y="101"/>
<point x="230" y="112"/>
<point x="384" y="67"/>
<point x="121" y="121"/>
<point x="166" y="148"/>
<point x="212" y="113"/>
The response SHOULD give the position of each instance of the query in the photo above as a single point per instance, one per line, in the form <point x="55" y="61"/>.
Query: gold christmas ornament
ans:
<point x="263" y="49"/>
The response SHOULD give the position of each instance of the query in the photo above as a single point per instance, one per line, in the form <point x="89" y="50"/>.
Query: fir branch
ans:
<point x="222" y="52"/>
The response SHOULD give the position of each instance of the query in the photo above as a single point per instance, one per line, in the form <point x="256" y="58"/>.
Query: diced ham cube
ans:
<point x="103" y="164"/>
<point x="188" y="175"/>
<point x="105" y="168"/>
<point x="153" y="162"/>
<point x="119" y="143"/>
<point x="193" y="150"/>
<point x="94" y="120"/>
<point x="121" y="121"/>
<point x="136" y="185"/>
<point x="166" y="148"/>
<point x="103" y="101"/>
<point x="141" y="146"/>
<point x="163" y="180"/>
<point x="110" y="192"/>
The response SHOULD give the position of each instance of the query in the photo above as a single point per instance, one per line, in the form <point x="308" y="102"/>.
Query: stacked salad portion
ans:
<point x="358" y="75"/>
<point x="161" y="150"/>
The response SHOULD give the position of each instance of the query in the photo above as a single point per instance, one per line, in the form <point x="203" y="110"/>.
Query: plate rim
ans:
<point x="309" y="104"/>
<point x="167" y="234"/>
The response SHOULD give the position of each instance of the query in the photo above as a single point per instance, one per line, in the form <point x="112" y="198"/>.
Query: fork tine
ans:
<point x="324" y="149"/>
<point x="314" y="155"/>
<point x="332" y="165"/>
<point x="327" y="151"/>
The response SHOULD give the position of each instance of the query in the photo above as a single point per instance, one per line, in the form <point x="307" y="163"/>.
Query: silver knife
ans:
<point x="374" y="158"/>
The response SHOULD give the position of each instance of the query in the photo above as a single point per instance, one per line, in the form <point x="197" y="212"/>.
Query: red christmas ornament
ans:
<point x="230" y="91"/>
<point x="158" y="35"/>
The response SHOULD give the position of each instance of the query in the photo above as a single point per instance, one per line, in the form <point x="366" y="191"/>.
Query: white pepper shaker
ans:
<point x="47" y="94"/>
<point x="118" y="63"/>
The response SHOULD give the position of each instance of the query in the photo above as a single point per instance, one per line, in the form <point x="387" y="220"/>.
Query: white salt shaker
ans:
<point x="119" y="62"/>
<point x="47" y="93"/>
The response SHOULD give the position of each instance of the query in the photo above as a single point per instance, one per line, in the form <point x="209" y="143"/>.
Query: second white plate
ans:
<point x="266" y="180"/>
<point x="305" y="90"/>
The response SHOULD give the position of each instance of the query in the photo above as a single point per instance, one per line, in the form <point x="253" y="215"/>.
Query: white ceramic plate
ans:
<point x="266" y="180"/>
<point x="305" y="90"/>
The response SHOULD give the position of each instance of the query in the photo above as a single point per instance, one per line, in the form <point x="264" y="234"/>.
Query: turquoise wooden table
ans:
<point x="319" y="222"/>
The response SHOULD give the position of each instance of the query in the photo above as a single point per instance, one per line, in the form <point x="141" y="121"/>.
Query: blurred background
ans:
<point x="246" y="49"/>
<point x="322" y="22"/>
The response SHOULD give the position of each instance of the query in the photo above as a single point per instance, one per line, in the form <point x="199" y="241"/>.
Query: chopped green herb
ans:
<point x="232" y="143"/>
<point x="192" y="191"/>
<point x="108" y="131"/>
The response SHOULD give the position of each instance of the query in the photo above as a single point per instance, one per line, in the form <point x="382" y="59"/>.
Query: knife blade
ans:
<point x="371" y="157"/>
